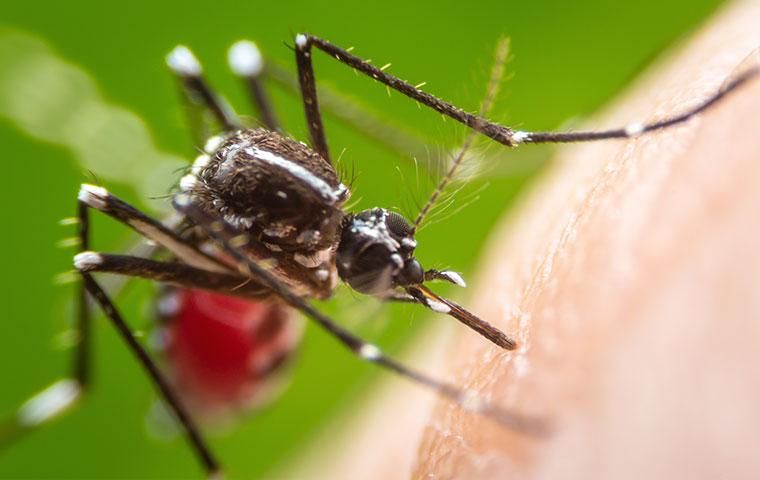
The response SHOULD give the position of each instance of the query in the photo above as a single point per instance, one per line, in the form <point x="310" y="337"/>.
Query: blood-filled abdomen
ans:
<point x="225" y="354"/>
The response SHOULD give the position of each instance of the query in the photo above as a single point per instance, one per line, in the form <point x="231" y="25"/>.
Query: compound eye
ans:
<point x="398" y="225"/>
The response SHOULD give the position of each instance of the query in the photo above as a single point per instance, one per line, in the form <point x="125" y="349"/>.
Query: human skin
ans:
<point x="629" y="274"/>
<point x="631" y="277"/>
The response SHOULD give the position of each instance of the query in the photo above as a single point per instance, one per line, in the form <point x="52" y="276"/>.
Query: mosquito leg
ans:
<point x="188" y="70"/>
<point x="191" y="430"/>
<point x="225" y="236"/>
<point x="81" y="370"/>
<point x="100" y="199"/>
<point x="63" y="394"/>
<point x="637" y="129"/>
<point x="499" y="133"/>
<point x="309" y="96"/>
<point x="246" y="62"/>
<point x="173" y="273"/>
<point x="358" y="117"/>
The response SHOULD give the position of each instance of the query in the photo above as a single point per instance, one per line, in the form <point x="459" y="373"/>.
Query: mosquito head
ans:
<point x="376" y="252"/>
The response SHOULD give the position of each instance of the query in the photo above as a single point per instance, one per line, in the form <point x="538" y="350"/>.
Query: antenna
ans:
<point x="497" y="74"/>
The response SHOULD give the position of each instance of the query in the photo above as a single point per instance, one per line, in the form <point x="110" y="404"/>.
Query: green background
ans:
<point x="568" y="58"/>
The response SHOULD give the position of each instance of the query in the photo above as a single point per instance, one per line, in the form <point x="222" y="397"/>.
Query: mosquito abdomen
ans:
<point x="224" y="353"/>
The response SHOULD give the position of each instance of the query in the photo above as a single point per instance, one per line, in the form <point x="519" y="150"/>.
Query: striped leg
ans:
<point x="500" y="133"/>
<point x="64" y="394"/>
<point x="197" y="93"/>
<point x="246" y="62"/>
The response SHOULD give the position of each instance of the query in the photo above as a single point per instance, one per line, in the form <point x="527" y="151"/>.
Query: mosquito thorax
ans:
<point x="284" y="197"/>
<point x="376" y="252"/>
<point x="265" y="183"/>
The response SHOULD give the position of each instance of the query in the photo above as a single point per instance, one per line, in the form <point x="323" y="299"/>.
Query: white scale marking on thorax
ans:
<point x="296" y="170"/>
<point x="377" y="230"/>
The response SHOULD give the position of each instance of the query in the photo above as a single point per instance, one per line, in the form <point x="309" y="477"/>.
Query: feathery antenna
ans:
<point x="497" y="74"/>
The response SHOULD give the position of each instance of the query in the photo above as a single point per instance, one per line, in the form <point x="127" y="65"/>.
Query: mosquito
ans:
<point x="262" y="228"/>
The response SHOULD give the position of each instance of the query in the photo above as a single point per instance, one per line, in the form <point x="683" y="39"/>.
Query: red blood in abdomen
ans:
<point x="221" y="349"/>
